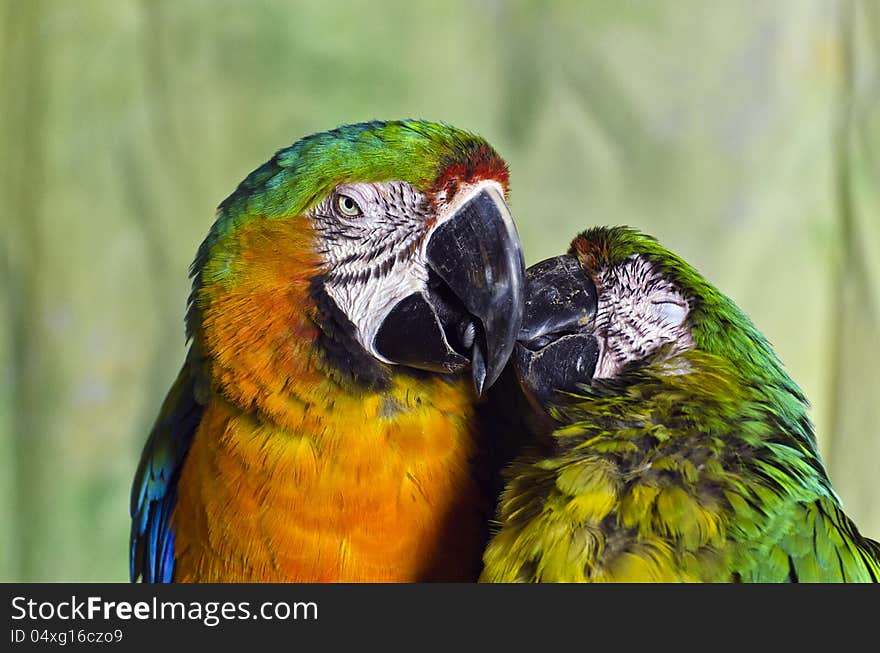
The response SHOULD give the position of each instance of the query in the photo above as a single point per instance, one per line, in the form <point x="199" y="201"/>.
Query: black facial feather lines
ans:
<point x="631" y="321"/>
<point x="369" y="246"/>
<point x="372" y="253"/>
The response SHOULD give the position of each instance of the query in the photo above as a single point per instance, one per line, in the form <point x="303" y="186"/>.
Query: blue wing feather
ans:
<point x="154" y="489"/>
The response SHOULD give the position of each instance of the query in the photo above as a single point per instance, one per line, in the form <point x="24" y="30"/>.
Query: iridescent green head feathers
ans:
<point x="716" y="324"/>
<point x="427" y="155"/>
<point x="417" y="152"/>
<point x="389" y="242"/>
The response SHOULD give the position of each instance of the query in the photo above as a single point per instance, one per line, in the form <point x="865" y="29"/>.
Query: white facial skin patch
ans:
<point x="372" y="238"/>
<point x="639" y="311"/>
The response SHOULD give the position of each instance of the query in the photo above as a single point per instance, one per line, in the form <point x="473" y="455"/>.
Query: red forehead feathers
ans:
<point x="592" y="254"/>
<point x="481" y="163"/>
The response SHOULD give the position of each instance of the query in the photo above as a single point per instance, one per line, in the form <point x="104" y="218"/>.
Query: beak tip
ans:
<point x="488" y="364"/>
<point x="478" y="370"/>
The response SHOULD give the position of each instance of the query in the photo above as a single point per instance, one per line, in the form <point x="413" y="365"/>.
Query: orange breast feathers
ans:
<point x="390" y="496"/>
<point x="292" y="475"/>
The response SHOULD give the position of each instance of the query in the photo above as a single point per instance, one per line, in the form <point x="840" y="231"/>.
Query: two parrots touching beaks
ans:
<point x="337" y="418"/>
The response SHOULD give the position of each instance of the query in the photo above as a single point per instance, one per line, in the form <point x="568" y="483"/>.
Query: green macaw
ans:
<point x="667" y="441"/>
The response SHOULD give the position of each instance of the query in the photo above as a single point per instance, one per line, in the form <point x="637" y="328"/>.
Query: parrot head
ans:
<point x="617" y="302"/>
<point x="395" y="240"/>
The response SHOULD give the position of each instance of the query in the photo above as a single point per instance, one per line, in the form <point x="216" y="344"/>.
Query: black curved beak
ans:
<point x="556" y="348"/>
<point x="478" y="255"/>
<point x="474" y="303"/>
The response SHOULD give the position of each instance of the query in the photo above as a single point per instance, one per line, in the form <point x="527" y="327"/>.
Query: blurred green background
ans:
<point x="744" y="135"/>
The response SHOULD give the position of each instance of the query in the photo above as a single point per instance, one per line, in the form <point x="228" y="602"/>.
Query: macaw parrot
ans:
<point x="667" y="442"/>
<point x="322" y="428"/>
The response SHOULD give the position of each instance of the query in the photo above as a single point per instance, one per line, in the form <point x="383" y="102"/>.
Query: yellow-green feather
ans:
<point x="684" y="477"/>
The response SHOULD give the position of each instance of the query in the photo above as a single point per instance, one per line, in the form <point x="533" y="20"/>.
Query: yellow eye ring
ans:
<point x="347" y="206"/>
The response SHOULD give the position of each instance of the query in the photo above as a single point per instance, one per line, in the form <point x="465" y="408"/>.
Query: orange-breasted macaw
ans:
<point x="322" y="427"/>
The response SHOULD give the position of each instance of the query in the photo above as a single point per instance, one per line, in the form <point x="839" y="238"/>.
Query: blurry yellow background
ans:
<point x="744" y="135"/>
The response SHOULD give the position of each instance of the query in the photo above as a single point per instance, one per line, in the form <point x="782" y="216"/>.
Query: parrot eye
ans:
<point x="347" y="206"/>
